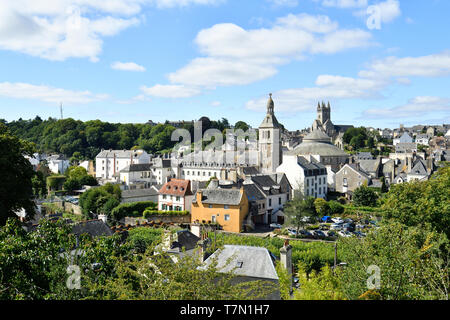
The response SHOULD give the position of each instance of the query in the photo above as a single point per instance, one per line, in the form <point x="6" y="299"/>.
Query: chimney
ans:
<point x="286" y="259"/>
<point x="202" y="245"/>
<point x="196" y="229"/>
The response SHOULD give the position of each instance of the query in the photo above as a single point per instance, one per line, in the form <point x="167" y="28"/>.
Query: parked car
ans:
<point x="276" y="225"/>
<point x="326" y="219"/>
<point x="345" y="234"/>
<point x="348" y="227"/>
<point x="359" y="234"/>
<point x="348" y="220"/>
<point x="337" y="220"/>
<point x="336" y="226"/>
<point x="319" y="234"/>
<point x="305" y="233"/>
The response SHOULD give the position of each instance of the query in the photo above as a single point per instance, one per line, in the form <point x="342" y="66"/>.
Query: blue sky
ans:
<point x="379" y="62"/>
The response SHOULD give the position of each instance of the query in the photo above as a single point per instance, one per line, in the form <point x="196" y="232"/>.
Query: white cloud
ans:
<point x="236" y="56"/>
<point x="388" y="11"/>
<point x="127" y="66"/>
<point x="417" y="107"/>
<point x="216" y="103"/>
<point x="284" y="3"/>
<point x="170" y="91"/>
<point x="345" y="3"/>
<point x="370" y="83"/>
<point x="47" y="93"/>
<point x="434" y="65"/>
<point x="62" y="29"/>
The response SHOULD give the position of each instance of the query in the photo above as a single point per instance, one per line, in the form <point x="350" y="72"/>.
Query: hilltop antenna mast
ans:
<point x="61" y="110"/>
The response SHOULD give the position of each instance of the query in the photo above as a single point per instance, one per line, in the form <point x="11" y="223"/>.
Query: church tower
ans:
<point x="323" y="112"/>
<point x="269" y="142"/>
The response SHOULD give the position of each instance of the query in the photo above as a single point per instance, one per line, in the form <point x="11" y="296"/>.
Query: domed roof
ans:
<point x="317" y="136"/>
<point x="317" y="143"/>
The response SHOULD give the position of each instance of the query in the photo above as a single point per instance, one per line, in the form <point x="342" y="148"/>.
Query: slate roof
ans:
<point x="94" y="228"/>
<point x="245" y="260"/>
<point x="186" y="240"/>
<point x="176" y="187"/>
<point x="139" y="193"/>
<point x="249" y="171"/>
<point x="311" y="167"/>
<point x="137" y="167"/>
<point x="220" y="196"/>
<point x="405" y="146"/>
<point x="317" y="143"/>
<point x="369" y="165"/>
<point x="120" y="154"/>
<point x="266" y="184"/>
<point x="419" y="168"/>
<point x="253" y="193"/>
<point x="364" y="156"/>
<point x="161" y="163"/>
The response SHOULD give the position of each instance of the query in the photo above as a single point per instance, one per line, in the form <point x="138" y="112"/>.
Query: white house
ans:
<point x="58" y="164"/>
<point x="109" y="162"/>
<point x="422" y="139"/>
<point x="308" y="177"/>
<point x="175" y="195"/>
<point x="138" y="173"/>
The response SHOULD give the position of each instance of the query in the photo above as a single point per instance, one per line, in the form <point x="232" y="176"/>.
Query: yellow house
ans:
<point x="227" y="207"/>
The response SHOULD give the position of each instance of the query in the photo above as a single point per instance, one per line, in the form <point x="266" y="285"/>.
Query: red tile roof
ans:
<point x="177" y="187"/>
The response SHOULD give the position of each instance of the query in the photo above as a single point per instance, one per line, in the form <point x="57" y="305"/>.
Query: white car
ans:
<point x="345" y="234"/>
<point x="275" y="225"/>
<point x="336" y="226"/>
<point x="337" y="220"/>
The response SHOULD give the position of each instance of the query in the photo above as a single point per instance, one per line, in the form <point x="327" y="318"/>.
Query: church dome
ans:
<point x="317" y="136"/>
<point x="317" y="143"/>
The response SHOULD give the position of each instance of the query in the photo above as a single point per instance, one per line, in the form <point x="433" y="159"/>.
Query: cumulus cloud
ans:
<point x="417" y="107"/>
<point x="62" y="29"/>
<point x="237" y="56"/>
<point x="127" y="66"/>
<point x="170" y="91"/>
<point x="47" y="93"/>
<point x="345" y="3"/>
<point x="370" y="83"/>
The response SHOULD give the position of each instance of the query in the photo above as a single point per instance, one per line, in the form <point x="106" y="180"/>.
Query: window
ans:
<point x="213" y="219"/>
<point x="279" y="200"/>
<point x="164" y="196"/>
<point x="270" y="202"/>
<point x="227" y="217"/>
<point x="307" y="182"/>
<point x="178" y="198"/>
<point x="345" y="182"/>
<point x="226" y="207"/>
<point x="210" y="206"/>
<point x="320" y="190"/>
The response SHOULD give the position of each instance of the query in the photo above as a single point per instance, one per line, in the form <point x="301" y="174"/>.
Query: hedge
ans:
<point x="149" y="213"/>
<point x="132" y="209"/>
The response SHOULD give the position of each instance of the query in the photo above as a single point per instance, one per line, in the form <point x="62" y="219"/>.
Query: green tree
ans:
<point x="16" y="187"/>
<point x="413" y="264"/>
<point x="365" y="197"/>
<point x="322" y="207"/>
<point x="419" y="203"/>
<point x="298" y="210"/>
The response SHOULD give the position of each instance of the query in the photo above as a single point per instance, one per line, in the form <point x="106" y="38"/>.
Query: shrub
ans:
<point x="336" y="207"/>
<point x="149" y="213"/>
<point x="132" y="209"/>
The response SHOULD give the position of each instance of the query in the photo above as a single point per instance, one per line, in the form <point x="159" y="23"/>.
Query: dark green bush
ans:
<point x="132" y="209"/>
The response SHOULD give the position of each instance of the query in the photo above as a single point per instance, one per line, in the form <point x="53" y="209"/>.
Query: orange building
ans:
<point x="227" y="207"/>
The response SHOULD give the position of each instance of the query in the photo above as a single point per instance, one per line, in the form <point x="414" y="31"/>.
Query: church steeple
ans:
<point x="270" y="105"/>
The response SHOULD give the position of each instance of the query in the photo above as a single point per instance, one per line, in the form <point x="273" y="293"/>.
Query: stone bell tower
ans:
<point x="269" y="141"/>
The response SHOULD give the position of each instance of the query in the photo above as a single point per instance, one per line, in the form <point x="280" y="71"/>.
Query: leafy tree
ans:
<point x="419" y="203"/>
<point x="357" y="142"/>
<point x="298" y="210"/>
<point x="365" y="197"/>
<point x="336" y="207"/>
<point x="39" y="184"/>
<point x="93" y="201"/>
<point x="413" y="264"/>
<point x="241" y="125"/>
<point x="16" y="187"/>
<point x="322" y="207"/>
<point x="322" y="285"/>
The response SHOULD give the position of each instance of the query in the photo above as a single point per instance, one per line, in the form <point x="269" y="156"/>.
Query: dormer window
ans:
<point x="239" y="264"/>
